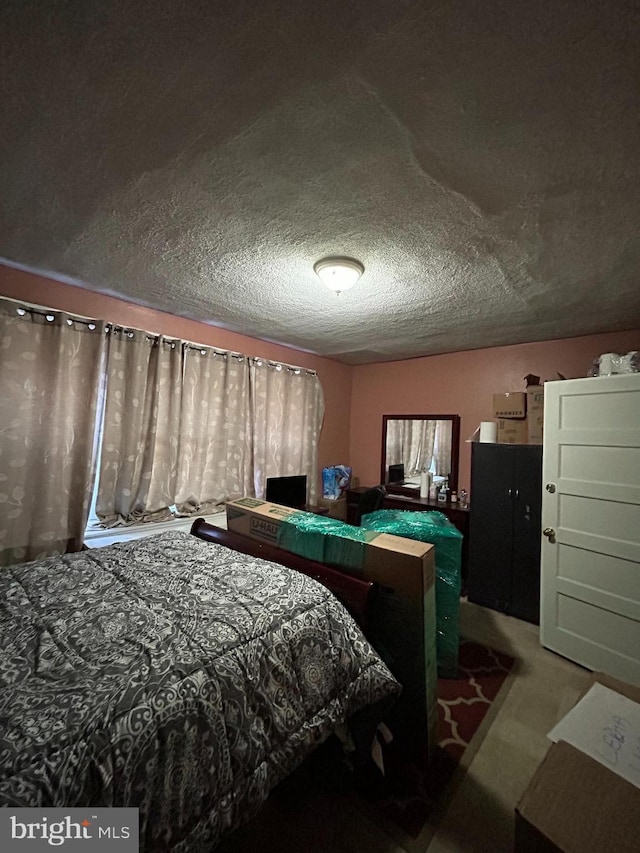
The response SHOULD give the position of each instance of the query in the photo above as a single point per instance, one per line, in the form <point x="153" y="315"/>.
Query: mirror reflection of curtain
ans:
<point x="442" y="448"/>
<point x="419" y="445"/>
<point x="394" y="443"/>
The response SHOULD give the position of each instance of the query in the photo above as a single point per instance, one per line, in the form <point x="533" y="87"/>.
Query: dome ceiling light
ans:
<point x="338" y="273"/>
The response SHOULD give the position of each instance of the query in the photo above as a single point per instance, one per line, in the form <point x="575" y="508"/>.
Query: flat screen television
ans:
<point x="396" y="473"/>
<point x="288" y="491"/>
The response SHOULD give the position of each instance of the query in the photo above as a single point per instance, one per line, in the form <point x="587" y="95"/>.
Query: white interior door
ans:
<point x="590" y="585"/>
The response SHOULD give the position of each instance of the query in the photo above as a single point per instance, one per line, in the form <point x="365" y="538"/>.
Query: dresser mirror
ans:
<point x="415" y="443"/>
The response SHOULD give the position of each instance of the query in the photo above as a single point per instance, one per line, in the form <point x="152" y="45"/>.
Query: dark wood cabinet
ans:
<point x="505" y="528"/>
<point x="353" y="505"/>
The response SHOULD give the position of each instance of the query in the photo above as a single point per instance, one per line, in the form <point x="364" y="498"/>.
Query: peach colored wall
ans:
<point x="460" y="383"/>
<point x="335" y="377"/>
<point x="357" y="397"/>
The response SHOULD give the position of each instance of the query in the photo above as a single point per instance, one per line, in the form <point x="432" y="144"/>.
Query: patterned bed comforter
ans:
<point x="174" y="675"/>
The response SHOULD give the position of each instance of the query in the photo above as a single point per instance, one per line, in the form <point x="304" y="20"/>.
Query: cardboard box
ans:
<point x="337" y="509"/>
<point x="402" y="626"/>
<point x="257" y="519"/>
<point x="413" y="563"/>
<point x="512" y="404"/>
<point x="535" y="414"/>
<point x="511" y="431"/>
<point x="535" y="399"/>
<point x="535" y="428"/>
<point x="574" y="804"/>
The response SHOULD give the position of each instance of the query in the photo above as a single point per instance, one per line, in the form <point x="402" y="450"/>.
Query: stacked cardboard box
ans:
<point x="510" y="409"/>
<point x="511" y="431"/>
<point x="520" y="416"/>
<point x="535" y="414"/>
<point x="510" y="405"/>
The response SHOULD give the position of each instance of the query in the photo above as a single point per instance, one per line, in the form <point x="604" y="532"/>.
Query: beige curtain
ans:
<point x="49" y="378"/>
<point x="288" y="408"/>
<point x="138" y="465"/>
<point x="214" y="450"/>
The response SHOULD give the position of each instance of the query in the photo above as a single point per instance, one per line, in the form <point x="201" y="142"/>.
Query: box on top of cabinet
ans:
<point x="512" y="431"/>
<point x="511" y="404"/>
<point x="535" y="414"/>
<point x="535" y="428"/>
<point x="535" y="398"/>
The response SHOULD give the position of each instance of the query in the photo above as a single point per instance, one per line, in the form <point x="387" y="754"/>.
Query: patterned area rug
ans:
<point x="464" y="701"/>
<point x="411" y="798"/>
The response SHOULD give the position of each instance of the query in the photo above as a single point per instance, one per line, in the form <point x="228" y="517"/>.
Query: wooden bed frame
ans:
<point x="357" y="595"/>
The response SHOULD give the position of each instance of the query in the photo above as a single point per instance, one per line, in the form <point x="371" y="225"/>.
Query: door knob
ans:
<point x="550" y="533"/>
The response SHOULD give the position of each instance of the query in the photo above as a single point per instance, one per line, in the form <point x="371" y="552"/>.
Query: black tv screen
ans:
<point x="288" y="491"/>
<point x="396" y="473"/>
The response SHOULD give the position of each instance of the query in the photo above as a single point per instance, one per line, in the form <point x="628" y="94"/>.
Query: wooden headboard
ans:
<point x="356" y="595"/>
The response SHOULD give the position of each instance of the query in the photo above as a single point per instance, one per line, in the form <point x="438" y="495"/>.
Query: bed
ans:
<point x="177" y="675"/>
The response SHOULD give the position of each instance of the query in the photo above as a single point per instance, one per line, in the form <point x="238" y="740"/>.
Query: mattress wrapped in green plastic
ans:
<point x="400" y="622"/>
<point x="306" y="534"/>
<point x="435" y="529"/>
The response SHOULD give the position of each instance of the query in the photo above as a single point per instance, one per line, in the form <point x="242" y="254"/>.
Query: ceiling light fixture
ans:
<point x="338" y="273"/>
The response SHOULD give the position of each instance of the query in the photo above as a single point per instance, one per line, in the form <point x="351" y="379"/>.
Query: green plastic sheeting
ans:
<point x="327" y="540"/>
<point x="435" y="529"/>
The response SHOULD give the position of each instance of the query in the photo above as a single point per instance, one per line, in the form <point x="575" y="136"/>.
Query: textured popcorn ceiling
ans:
<point x="480" y="157"/>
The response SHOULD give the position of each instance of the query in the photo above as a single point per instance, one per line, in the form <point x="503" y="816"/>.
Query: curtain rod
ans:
<point x="24" y="308"/>
<point x="50" y="314"/>
<point x="279" y="365"/>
